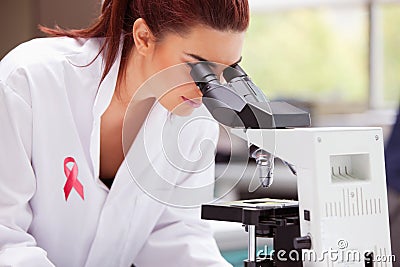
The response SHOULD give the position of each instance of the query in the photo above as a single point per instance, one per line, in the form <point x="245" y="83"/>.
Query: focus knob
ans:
<point x="303" y="242"/>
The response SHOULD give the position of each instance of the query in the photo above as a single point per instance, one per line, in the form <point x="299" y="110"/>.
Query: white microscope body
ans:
<point x="341" y="190"/>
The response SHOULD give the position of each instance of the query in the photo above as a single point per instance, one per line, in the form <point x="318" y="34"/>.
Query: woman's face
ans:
<point x="202" y="43"/>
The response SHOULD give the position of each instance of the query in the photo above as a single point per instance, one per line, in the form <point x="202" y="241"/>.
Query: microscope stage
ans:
<point x="254" y="211"/>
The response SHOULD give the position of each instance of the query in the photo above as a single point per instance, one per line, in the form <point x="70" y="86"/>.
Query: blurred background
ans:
<point x="339" y="59"/>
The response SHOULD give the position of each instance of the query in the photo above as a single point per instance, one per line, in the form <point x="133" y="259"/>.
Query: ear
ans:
<point x="143" y="37"/>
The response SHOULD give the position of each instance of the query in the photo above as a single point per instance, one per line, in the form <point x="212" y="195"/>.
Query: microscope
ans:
<point x="341" y="216"/>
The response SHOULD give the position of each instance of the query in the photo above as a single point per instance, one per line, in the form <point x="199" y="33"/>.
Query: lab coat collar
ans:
<point x="93" y="64"/>
<point x="107" y="86"/>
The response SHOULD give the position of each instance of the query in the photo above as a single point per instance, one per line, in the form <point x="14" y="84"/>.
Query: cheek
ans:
<point x="171" y="99"/>
<point x="188" y="90"/>
<point x="164" y="57"/>
<point x="173" y="102"/>
<point x="170" y="78"/>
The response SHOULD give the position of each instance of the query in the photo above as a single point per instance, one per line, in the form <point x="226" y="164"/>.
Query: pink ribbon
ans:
<point x="72" y="178"/>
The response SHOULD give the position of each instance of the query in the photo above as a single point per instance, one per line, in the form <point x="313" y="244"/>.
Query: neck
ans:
<point x="133" y="101"/>
<point x="130" y="80"/>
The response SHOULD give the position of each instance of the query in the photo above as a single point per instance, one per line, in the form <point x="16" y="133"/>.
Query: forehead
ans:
<point x="224" y="47"/>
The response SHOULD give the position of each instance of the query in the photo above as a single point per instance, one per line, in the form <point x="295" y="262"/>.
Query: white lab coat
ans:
<point x="50" y="109"/>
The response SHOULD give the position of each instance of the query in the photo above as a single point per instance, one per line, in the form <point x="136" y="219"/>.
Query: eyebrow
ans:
<point x="199" y="58"/>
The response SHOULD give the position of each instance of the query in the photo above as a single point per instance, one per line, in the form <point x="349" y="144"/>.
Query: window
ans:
<point x="320" y="51"/>
<point x="312" y="54"/>
<point x="391" y="64"/>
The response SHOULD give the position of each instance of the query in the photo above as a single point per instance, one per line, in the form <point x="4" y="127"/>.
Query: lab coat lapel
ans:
<point x="102" y="101"/>
<point x="145" y="161"/>
<point x="121" y="231"/>
<point x="103" y="95"/>
<point x="146" y="155"/>
<point x="147" y="169"/>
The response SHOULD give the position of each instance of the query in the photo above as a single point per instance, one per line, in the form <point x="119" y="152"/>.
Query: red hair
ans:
<point x="162" y="16"/>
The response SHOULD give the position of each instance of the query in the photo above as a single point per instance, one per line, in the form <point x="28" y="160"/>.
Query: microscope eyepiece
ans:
<point x="233" y="72"/>
<point x="202" y="73"/>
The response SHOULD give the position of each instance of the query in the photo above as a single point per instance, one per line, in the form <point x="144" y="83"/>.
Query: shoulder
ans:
<point x="40" y="51"/>
<point x="43" y="59"/>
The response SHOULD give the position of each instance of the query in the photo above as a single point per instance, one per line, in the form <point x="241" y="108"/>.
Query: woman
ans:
<point x="62" y="107"/>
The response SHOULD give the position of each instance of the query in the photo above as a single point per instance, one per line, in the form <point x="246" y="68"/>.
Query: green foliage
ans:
<point x="309" y="54"/>
<point x="391" y="35"/>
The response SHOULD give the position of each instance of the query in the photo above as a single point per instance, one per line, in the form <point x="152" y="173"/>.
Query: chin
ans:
<point x="182" y="111"/>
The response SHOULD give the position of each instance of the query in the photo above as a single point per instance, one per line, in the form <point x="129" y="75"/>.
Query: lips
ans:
<point x="194" y="103"/>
